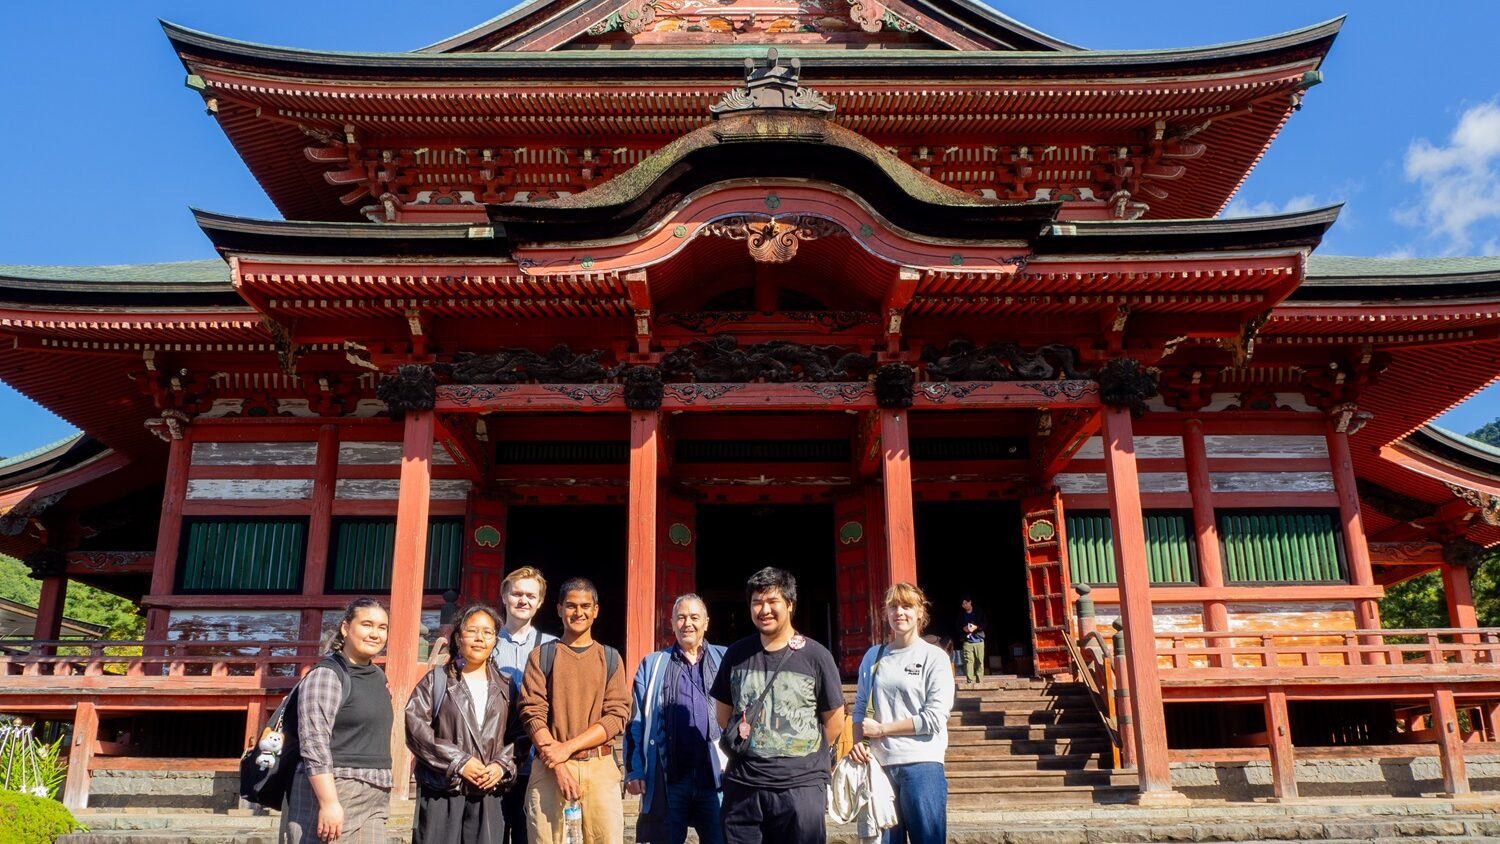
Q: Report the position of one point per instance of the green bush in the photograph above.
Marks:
(25, 819)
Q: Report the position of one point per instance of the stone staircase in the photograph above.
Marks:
(1423, 821)
(1021, 742)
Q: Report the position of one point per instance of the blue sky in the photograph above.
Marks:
(107, 150)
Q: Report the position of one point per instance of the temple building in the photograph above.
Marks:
(662, 291)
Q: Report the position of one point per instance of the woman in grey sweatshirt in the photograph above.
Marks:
(901, 718)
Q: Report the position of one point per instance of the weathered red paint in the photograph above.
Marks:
(640, 602)
(407, 577)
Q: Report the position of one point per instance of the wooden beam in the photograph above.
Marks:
(169, 528)
(49, 610)
(320, 519)
(797, 396)
(408, 570)
(1205, 525)
(456, 433)
(868, 459)
(640, 606)
(900, 530)
(81, 755)
(1357, 549)
(1423, 554)
(1074, 429)
(1450, 743)
(1279, 738)
(1134, 577)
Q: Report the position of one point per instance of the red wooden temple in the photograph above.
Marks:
(662, 291)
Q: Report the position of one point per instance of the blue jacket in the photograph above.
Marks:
(646, 732)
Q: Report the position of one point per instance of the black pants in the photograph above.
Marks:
(456, 819)
(778, 815)
(513, 809)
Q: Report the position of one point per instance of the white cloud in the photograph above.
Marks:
(1460, 182)
(1240, 208)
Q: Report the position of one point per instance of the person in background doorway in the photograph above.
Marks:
(521, 594)
(672, 756)
(573, 703)
(782, 692)
(343, 786)
(971, 624)
(901, 710)
(464, 758)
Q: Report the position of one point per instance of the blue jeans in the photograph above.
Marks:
(692, 805)
(921, 803)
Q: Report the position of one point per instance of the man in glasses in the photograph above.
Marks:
(671, 743)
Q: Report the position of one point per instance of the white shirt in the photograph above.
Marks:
(479, 692)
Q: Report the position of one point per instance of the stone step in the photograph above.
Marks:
(992, 797)
(978, 780)
(1072, 821)
(1024, 762)
(1027, 747)
(1017, 699)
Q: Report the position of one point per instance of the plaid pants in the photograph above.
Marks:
(365, 808)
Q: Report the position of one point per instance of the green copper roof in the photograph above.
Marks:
(213, 271)
(1466, 442)
(1344, 266)
(59, 446)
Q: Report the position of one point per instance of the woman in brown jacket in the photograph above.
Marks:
(463, 750)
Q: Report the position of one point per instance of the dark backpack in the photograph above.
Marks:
(268, 787)
(547, 656)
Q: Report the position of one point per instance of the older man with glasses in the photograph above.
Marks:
(672, 757)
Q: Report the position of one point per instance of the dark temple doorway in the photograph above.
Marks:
(735, 541)
(974, 548)
(566, 541)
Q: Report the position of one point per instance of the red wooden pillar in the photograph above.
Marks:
(1279, 737)
(1357, 549)
(169, 531)
(255, 713)
(640, 572)
(900, 534)
(1134, 576)
(1460, 598)
(49, 608)
(1450, 743)
(408, 575)
(319, 530)
(81, 755)
(1205, 526)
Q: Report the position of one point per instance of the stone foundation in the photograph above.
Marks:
(1373, 777)
(206, 791)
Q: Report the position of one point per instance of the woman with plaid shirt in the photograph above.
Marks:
(344, 717)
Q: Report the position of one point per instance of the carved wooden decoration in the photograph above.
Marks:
(721, 360)
(773, 240)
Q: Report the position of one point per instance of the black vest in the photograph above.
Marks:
(362, 728)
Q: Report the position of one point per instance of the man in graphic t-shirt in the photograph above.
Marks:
(778, 790)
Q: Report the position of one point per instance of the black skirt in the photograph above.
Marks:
(444, 818)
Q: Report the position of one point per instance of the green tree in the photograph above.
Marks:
(1489, 434)
(84, 603)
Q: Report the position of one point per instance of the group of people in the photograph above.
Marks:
(514, 737)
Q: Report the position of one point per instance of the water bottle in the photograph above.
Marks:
(572, 822)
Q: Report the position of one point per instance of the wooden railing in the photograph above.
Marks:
(1094, 667)
(1450, 654)
(268, 665)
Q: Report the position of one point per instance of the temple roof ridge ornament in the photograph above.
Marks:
(772, 85)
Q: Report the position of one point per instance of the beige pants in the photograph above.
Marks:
(603, 810)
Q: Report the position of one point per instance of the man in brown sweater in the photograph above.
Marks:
(574, 701)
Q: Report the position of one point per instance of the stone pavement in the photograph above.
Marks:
(1434, 821)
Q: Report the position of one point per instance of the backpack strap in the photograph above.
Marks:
(546, 657)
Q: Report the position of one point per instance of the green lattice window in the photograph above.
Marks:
(364, 548)
(1282, 546)
(242, 555)
(1171, 552)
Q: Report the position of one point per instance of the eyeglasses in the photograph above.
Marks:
(478, 635)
